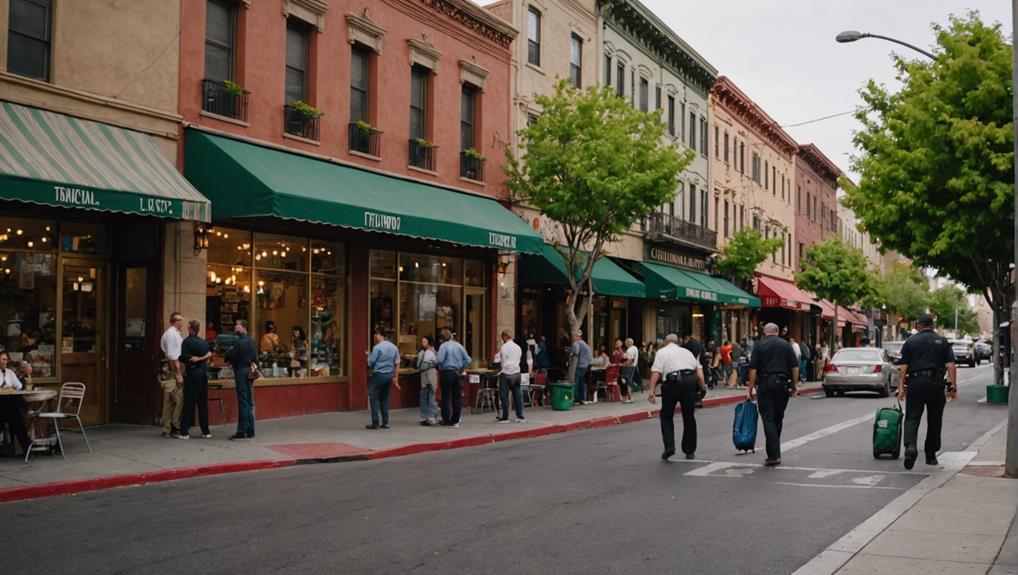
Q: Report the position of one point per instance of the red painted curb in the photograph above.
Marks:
(110, 482)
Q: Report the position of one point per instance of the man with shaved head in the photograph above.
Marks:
(775, 369)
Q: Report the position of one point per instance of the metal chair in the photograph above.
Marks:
(218, 397)
(610, 383)
(72, 396)
(538, 383)
(487, 396)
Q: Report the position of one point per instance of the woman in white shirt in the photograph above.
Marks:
(429, 381)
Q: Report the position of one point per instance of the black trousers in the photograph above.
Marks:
(772, 398)
(10, 412)
(452, 396)
(196, 395)
(924, 392)
(683, 393)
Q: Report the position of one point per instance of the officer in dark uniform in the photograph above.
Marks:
(925, 358)
(775, 369)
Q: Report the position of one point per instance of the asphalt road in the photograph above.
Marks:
(598, 501)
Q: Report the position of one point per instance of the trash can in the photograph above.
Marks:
(561, 396)
(996, 393)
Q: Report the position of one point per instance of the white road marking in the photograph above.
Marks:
(824, 473)
(869, 480)
(838, 486)
(710, 468)
(715, 466)
(799, 442)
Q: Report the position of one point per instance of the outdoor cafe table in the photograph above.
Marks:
(40, 396)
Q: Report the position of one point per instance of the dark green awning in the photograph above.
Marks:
(550, 268)
(666, 282)
(57, 160)
(246, 180)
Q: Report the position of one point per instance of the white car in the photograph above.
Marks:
(860, 369)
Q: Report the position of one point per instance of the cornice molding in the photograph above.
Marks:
(471, 73)
(311, 11)
(820, 163)
(476, 18)
(737, 103)
(424, 53)
(362, 29)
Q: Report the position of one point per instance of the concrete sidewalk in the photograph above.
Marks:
(132, 455)
(962, 519)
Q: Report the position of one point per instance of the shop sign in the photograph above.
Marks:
(383, 222)
(75, 197)
(504, 241)
(678, 259)
(156, 206)
(701, 294)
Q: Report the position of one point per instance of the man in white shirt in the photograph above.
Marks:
(682, 377)
(509, 356)
(10, 407)
(173, 390)
(629, 364)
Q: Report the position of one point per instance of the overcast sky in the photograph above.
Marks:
(783, 55)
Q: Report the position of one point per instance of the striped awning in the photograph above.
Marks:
(56, 160)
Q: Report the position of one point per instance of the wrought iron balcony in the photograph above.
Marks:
(224, 99)
(678, 229)
(422, 154)
(297, 124)
(471, 166)
(364, 139)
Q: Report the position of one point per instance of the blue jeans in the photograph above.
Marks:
(378, 396)
(802, 370)
(429, 409)
(511, 383)
(245, 402)
(580, 384)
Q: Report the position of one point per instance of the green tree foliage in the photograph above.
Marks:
(943, 303)
(906, 291)
(746, 250)
(595, 165)
(837, 272)
(937, 166)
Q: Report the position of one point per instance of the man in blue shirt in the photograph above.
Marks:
(384, 363)
(581, 350)
(452, 360)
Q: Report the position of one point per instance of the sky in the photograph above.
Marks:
(782, 53)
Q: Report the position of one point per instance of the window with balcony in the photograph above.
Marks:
(726, 218)
(363, 136)
(300, 118)
(29, 34)
(422, 151)
(534, 37)
(221, 94)
(644, 94)
(692, 202)
(471, 160)
(575, 61)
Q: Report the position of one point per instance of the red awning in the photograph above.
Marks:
(826, 309)
(845, 314)
(780, 293)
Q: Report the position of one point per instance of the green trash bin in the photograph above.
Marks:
(996, 394)
(561, 396)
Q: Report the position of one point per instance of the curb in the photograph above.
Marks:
(109, 482)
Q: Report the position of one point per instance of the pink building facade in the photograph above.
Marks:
(816, 199)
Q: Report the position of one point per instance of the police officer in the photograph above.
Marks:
(683, 376)
(775, 369)
(925, 358)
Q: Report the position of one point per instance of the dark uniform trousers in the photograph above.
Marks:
(452, 395)
(924, 392)
(772, 397)
(679, 390)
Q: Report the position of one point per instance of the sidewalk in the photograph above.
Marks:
(133, 455)
(959, 520)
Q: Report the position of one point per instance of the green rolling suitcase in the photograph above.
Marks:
(887, 431)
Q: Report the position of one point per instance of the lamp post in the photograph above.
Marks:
(853, 35)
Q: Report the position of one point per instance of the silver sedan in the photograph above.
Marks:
(860, 369)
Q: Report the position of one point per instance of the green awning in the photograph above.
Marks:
(673, 283)
(550, 268)
(56, 160)
(246, 180)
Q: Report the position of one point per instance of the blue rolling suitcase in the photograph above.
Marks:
(744, 430)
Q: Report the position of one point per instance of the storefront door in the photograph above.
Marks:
(135, 332)
(475, 327)
(83, 335)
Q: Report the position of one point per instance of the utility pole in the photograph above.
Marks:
(1011, 458)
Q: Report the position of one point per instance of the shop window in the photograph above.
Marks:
(426, 309)
(28, 309)
(80, 309)
(280, 252)
(473, 273)
(430, 269)
(23, 234)
(83, 238)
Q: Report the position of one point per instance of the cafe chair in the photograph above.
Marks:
(218, 389)
(610, 383)
(538, 383)
(72, 396)
(487, 396)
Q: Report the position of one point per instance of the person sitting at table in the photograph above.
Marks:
(270, 341)
(11, 406)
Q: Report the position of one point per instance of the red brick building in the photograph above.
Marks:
(816, 197)
(352, 151)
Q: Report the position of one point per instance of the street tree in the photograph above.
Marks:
(745, 251)
(906, 291)
(937, 164)
(837, 272)
(949, 303)
(595, 165)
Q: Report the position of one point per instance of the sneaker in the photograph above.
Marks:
(911, 454)
(500, 420)
(180, 436)
(520, 420)
(690, 456)
(424, 422)
(445, 424)
(237, 436)
(627, 401)
(385, 426)
(164, 434)
(371, 426)
(457, 424)
(431, 421)
(206, 436)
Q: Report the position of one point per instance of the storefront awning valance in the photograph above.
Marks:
(782, 294)
(826, 309)
(246, 180)
(847, 315)
(550, 268)
(666, 282)
(56, 160)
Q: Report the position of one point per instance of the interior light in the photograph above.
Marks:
(417, 265)
(3, 258)
(19, 232)
(81, 279)
(275, 252)
(261, 283)
(247, 289)
(265, 254)
(31, 244)
(226, 236)
(44, 239)
(47, 228)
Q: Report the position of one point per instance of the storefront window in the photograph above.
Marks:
(426, 310)
(473, 273)
(290, 290)
(24, 234)
(80, 309)
(430, 269)
(28, 304)
(83, 238)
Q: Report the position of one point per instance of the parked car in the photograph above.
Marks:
(964, 352)
(984, 350)
(860, 368)
(893, 349)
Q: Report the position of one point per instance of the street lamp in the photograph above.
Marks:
(853, 35)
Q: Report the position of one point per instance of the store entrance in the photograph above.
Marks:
(83, 339)
(135, 334)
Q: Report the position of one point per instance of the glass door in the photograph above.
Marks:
(82, 340)
(135, 393)
(474, 338)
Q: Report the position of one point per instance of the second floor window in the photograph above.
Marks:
(575, 60)
(418, 102)
(671, 115)
(219, 40)
(468, 117)
(620, 79)
(644, 94)
(534, 37)
(692, 130)
(360, 60)
(29, 37)
(607, 70)
(657, 97)
(296, 62)
(726, 147)
(703, 136)
(692, 203)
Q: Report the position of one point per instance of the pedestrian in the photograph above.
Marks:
(531, 353)
(805, 362)
(581, 352)
(12, 406)
(194, 356)
(630, 361)
(426, 362)
(820, 360)
(690, 342)
(601, 358)
(925, 358)
(453, 361)
(509, 355)
(173, 390)
(243, 358)
(775, 370)
(384, 364)
(542, 353)
(681, 377)
(618, 355)
(725, 353)
(738, 360)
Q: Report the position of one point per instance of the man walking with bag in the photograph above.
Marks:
(242, 356)
(775, 369)
(173, 394)
(682, 377)
(925, 358)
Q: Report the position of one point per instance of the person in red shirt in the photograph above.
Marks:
(726, 362)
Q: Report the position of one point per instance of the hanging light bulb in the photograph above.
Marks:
(31, 244)
(19, 232)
